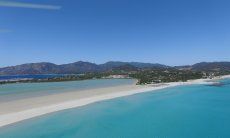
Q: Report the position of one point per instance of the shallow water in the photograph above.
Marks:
(10, 92)
(196, 111)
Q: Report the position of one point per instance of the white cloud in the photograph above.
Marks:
(28, 5)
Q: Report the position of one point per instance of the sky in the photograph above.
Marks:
(172, 32)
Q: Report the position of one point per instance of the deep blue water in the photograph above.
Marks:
(196, 111)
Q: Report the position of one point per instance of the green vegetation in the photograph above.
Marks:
(144, 76)
(169, 75)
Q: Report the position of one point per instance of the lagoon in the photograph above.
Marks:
(17, 91)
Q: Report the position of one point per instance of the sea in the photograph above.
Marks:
(193, 111)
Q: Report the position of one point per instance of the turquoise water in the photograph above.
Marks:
(24, 90)
(187, 111)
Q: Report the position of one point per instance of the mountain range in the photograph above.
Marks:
(86, 67)
(207, 66)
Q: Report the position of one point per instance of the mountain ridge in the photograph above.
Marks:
(71, 68)
(88, 67)
(207, 66)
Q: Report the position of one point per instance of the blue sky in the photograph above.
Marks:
(172, 32)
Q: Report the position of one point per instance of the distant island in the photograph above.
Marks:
(145, 73)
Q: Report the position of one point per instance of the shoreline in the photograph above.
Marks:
(102, 94)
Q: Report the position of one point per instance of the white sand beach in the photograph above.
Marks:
(18, 110)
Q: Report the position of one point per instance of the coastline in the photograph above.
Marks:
(28, 108)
